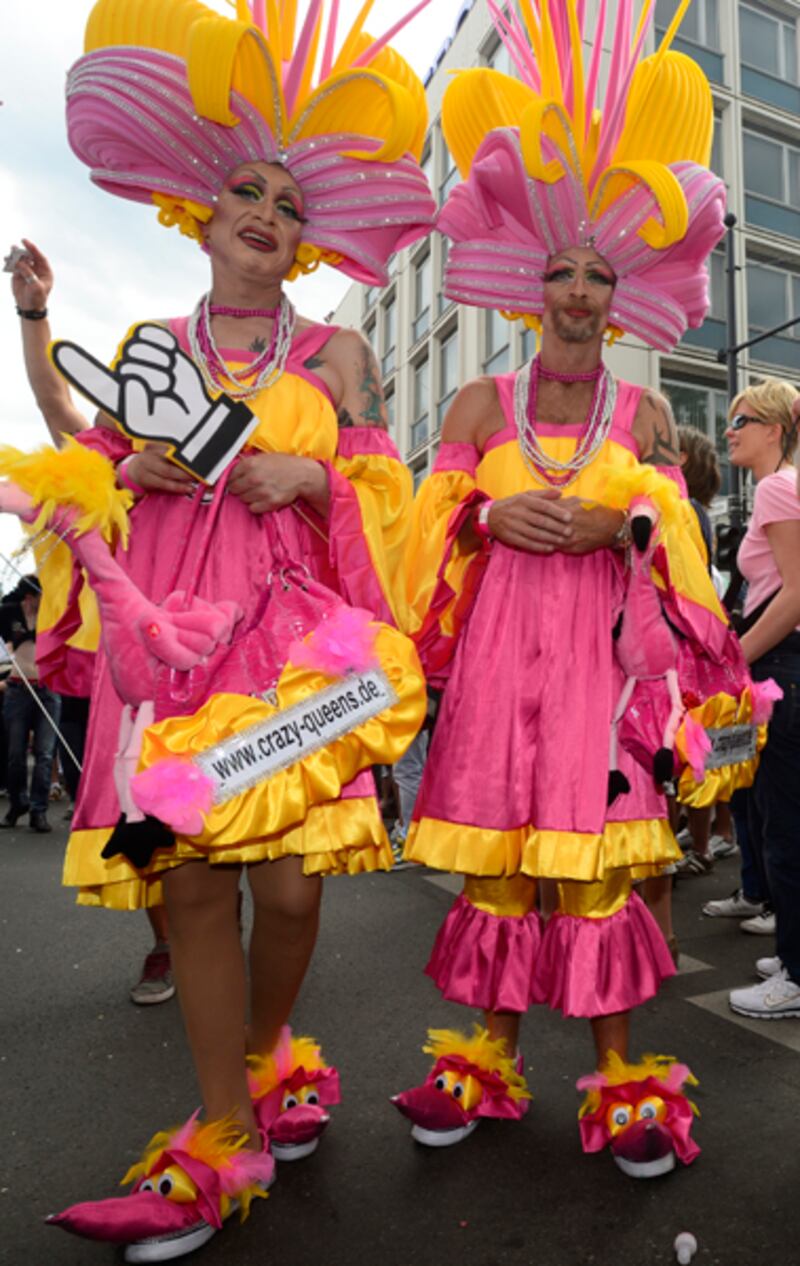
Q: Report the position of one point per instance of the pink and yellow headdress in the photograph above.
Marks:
(545, 167)
(170, 97)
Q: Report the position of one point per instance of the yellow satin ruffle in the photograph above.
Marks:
(383, 487)
(346, 837)
(719, 784)
(598, 900)
(271, 807)
(424, 563)
(641, 847)
(514, 896)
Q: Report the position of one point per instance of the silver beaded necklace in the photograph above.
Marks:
(233, 386)
(549, 470)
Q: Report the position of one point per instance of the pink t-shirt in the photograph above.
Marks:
(776, 501)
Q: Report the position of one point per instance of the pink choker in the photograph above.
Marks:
(220, 309)
(554, 376)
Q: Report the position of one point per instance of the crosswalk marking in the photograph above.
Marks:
(783, 1032)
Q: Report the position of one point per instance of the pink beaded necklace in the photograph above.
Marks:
(548, 470)
(220, 309)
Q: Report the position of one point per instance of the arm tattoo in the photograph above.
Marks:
(258, 345)
(666, 448)
(370, 388)
(344, 418)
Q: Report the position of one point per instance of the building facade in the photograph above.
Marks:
(427, 346)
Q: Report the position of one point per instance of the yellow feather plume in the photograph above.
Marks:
(268, 1071)
(211, 1142)
(487, 1053)
(619, 1073)
(619, 487)
(73, 476)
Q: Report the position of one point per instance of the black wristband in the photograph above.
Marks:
(32, 314)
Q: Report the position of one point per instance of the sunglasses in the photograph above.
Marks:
(740, 420)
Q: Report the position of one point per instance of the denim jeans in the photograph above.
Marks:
(407, 774)
(774, 804)
(21, 718)
(753, 880)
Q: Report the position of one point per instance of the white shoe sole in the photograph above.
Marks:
(753, 1014)
(152, 999)
(647, 1169)
(167, 1249)
(293, 1151)
(442, 1138)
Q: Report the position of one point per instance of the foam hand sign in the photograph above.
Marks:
(155, 392)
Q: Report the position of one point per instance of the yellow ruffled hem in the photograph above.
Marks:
(642, 847)
(345, 837)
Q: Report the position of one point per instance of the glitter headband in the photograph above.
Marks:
(170, 97)
(545, 169)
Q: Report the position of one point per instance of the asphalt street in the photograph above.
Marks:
(87, 1078)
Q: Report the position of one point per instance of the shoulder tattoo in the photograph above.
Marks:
(370, 390)
(664, 435)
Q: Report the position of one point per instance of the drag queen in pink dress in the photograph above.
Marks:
(530, 604)
(288, 554)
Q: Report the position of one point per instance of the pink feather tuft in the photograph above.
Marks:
(176, 792)
(698, 745)
(244, 1169)
(341, 643)
(765, 695)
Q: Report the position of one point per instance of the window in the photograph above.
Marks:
(442, 302)
(448, 375)
(371, 334)
(496, 344)
(768, 43)
(418, 472)
(717, 287)
(450, 176)
(419, 426)
(703, 405)
(426, 163)
(716, 148)
(421, 320)
(497, 57)
(389, 336)
(370, 295)
(391, 412)
(773, 296)
(700, 23)
(528, 344)
(698, 35)
(772, 183)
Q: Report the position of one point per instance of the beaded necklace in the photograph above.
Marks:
(265, 370)
(546, 469)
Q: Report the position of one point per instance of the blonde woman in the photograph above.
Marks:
(762, 437)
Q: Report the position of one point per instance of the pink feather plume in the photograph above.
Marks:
(176, 792)
(341, 643)
(765, 695)
(698, 745)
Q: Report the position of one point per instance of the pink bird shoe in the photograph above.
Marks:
(187, 1183)
(641, 1112)
(291, 1089)
(471, 1078)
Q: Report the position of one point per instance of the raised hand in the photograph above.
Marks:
(156, 392)
(31, 276)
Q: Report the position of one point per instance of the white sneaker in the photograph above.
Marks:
(761, 925)
(767, 967)
(773, 999)
(737, 906)
(718, 846)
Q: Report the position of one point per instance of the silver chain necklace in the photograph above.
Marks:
(232, 385)
(549, 470)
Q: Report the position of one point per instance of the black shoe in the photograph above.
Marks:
(39, 823)
(12, 817)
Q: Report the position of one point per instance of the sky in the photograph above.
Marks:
(113, 263)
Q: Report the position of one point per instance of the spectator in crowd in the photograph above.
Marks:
(762, 438)
(29, 709)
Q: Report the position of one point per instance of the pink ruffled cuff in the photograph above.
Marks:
(591, 967)
(485, 960)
